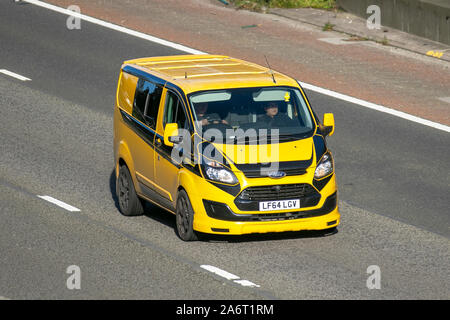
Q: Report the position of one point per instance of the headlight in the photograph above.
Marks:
(216, 172)
(325, 166)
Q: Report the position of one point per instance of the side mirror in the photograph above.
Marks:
(171, 134)
(328, 123)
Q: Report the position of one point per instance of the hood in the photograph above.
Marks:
(299, 150)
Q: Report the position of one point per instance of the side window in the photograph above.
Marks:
(174, 112)
(146, 102)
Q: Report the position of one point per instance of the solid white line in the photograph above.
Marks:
(166, 43)
(59, 203)
(374, 106)
(14, 75)
(115, 27)
(219, 272)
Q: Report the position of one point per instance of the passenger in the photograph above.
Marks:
(273, 117)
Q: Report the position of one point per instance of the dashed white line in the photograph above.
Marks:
(14, 75)
(229, 276)
(219, 272)
(59, 203)
(246, 283)
(180, 47)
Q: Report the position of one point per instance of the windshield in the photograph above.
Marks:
(252, 112)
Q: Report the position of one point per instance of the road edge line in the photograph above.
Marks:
(375, 106)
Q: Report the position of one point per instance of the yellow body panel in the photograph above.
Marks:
(152, 171)
(206, 72)
(265, 153)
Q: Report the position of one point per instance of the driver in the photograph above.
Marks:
(204, 118)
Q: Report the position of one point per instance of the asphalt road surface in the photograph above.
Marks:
(56, 140)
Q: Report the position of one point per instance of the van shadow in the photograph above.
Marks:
(273, 236)
(168, 219)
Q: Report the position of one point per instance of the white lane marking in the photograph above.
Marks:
(219, 272)
(193, 51)
(374, 106)
(14, 75)
(246, 283)
(445, 99)
(115, 27)
(229, 276)
(59, 203)
(3, 298)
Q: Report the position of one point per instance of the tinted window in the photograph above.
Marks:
(174, 112)
(253, 111)
(146, 102)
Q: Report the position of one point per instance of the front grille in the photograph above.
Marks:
(265, 173)
(277, 192)
(290, 168)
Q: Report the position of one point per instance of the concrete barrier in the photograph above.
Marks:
(426, 18)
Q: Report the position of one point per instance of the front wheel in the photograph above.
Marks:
(185, 218)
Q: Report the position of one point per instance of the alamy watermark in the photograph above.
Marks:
(374, 20)
(374, 279)
(232, 140)
(74, 280)
(73, 22)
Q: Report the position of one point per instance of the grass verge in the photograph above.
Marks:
(259, 5)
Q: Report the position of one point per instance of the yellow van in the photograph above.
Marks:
(228, 146)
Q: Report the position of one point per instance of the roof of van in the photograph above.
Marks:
(207, 72)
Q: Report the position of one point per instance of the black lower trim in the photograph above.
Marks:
(319, 184)
(233, 190)
(330, 223)
(221, 211)
(156, 197)
(220, 230)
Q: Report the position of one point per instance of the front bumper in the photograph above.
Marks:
(218, 212)
(322, 222)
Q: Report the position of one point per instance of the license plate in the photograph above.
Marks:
(279, 205)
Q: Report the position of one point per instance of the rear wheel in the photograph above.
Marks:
(129, 202)
(185, 218)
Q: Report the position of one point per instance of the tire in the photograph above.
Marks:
(129, 202)
(185, 218)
